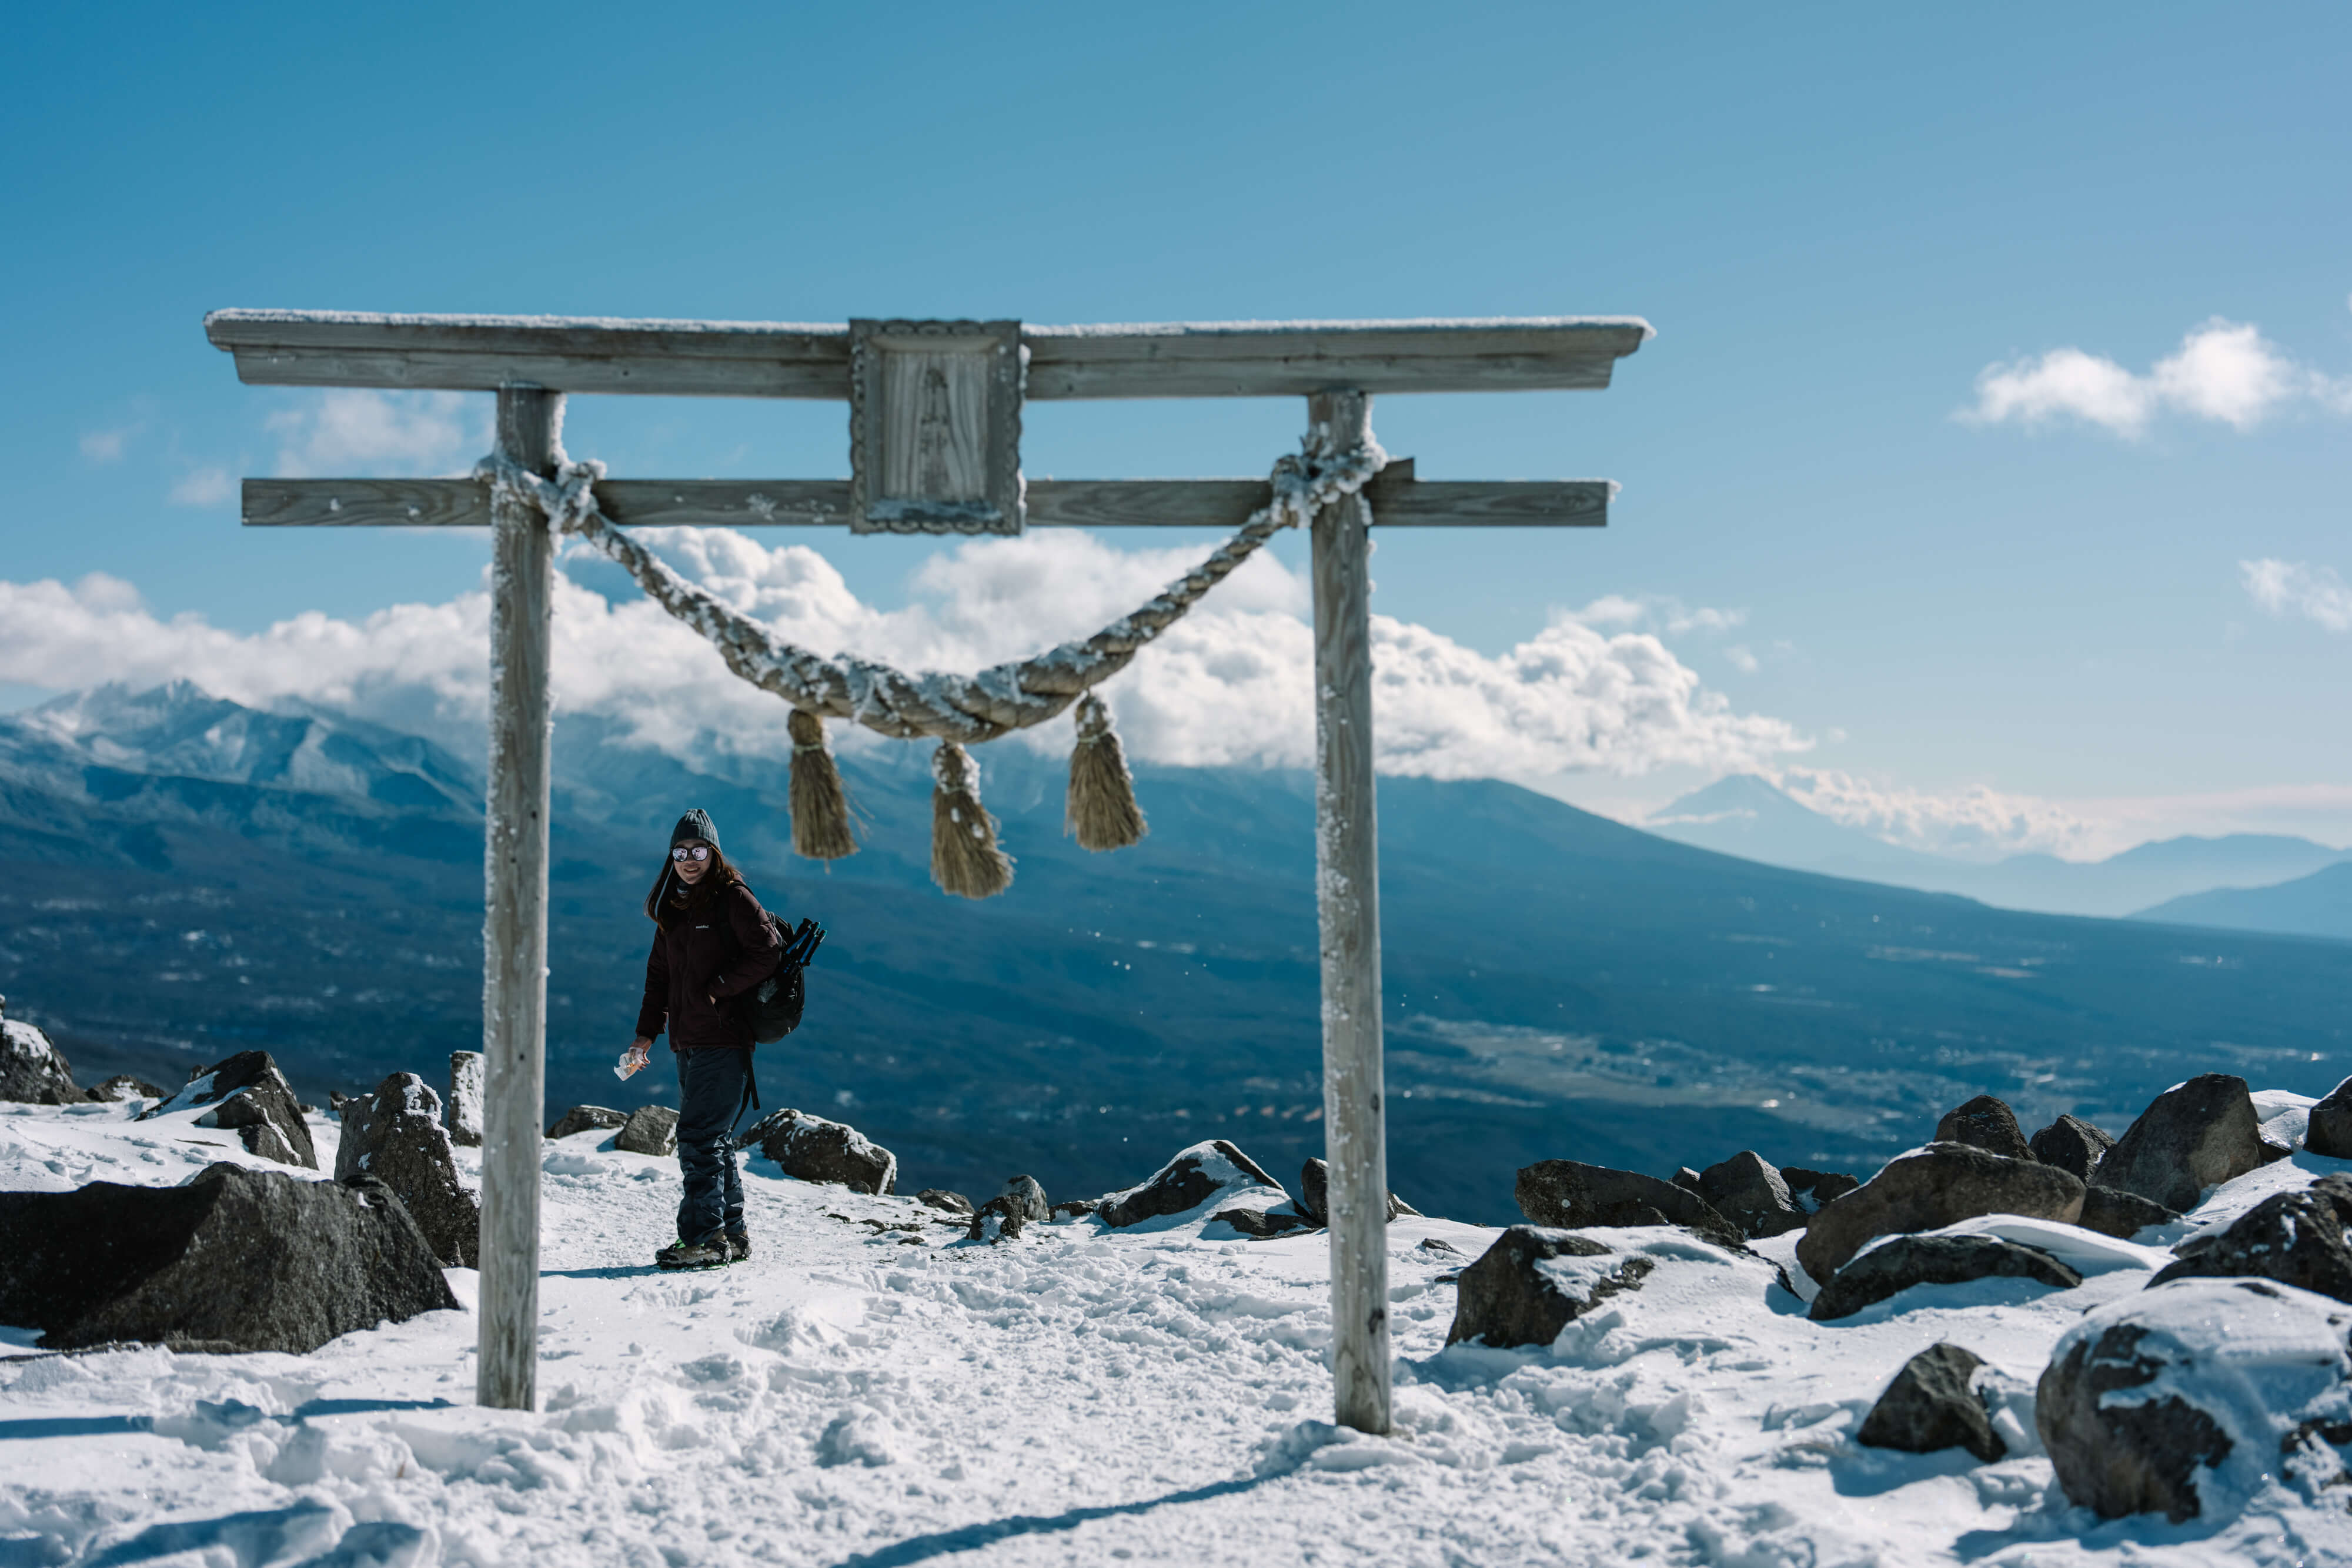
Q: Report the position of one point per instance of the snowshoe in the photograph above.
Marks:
(710, 1252)
(738, 1246)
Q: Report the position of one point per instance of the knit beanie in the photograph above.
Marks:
(695, 824)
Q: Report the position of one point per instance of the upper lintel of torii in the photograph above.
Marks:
(935, 408)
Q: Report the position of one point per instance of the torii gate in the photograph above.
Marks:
(935, 448)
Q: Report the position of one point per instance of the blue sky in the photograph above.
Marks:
(1838, 218)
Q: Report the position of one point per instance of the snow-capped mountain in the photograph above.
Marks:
(1555, 983)
(1749, 816)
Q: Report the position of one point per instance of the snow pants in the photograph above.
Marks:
(710, 1093)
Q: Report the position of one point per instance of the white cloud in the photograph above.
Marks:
(383, 432)
(2287, 588)
(105, 445)
(2223, 371)
(1973, 824)
(1742, 659)
(1661, 610)
(1230, 683)
(207, 487)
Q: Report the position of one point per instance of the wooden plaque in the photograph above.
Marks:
(934, 427)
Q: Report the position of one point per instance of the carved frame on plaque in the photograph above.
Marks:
(934, 427)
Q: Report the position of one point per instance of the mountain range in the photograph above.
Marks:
(181, 877)
(1748, 816)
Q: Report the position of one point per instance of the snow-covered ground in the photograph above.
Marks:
(865, 1396)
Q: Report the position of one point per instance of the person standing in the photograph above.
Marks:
(712, 942)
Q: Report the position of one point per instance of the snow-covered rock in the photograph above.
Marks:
(2072, 1146)
(810, 1148)
(237, 1260)
(1569, 1194)
(1988, 1123)
(1313, 1201)
(2183, 1400)
(396, 1137)
(1897, 1264)
(650, 1130)
(1206, 1173)
(123, 1086)
(1929, 1188)
(1932, 1405)
(464, 1108)
(32, 1071)
(586, 1118)
(1534, 1281)
(2112, 1211)
(248, 1095)
(2192, 1137)
(2295, 1237)
(1749, 1191)
(2327, 1130)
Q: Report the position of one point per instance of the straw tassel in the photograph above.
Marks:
(1102, 813)
(820, 809)
(965, 860)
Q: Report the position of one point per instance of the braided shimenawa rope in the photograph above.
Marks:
(963, 708)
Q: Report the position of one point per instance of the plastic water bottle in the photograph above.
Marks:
(630, 1061)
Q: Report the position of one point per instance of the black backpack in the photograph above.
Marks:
(776, 1002)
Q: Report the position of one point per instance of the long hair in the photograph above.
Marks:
(671, 897)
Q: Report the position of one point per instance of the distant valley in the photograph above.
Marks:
(181, 878)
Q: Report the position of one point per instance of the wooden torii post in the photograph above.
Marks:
(935, 431)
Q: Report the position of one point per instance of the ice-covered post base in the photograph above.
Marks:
(514, 926)
(1348, 911)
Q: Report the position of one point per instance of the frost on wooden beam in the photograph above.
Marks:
(1398, 500)
(762, 358)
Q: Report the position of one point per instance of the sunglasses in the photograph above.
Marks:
(685, 853)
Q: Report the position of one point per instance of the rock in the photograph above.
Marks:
(1078, 1208)
(1534, 1281)
(1893, 1267)
(2112, 1211)
(1215, 1169)
(810, 1148)
(2072, 1144)
(32, 1071)
(650, 1130)
(1986, 1124)
(2295, 1237)
(2179, 1398)
(1568, 1193)
(1685, 1178)
(249, 1096)
(1315, 1200)
(1928, 1189)
(1746, 1190)
(1263, 1224)
(236, 1260)
(395, 1136)
(945, 1201)
(2192, 1136)
(1815, 1190)
(1438, 1244)
(465, 1106)
(1003, 1216)
(2330, 1132)
(1933, 1405)
(122, 1086)
(582, 1118)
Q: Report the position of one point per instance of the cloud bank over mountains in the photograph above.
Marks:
(1228, 685)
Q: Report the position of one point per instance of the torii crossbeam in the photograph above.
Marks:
(935, 431)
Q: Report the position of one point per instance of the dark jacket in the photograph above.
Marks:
(718, 945)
